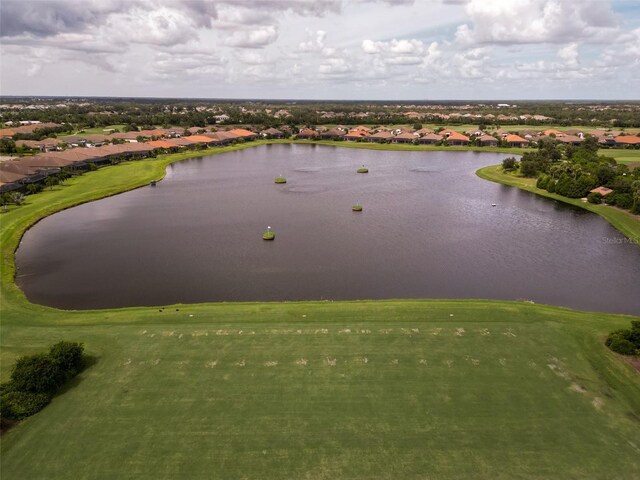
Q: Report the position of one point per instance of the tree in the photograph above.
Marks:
(33, 188)
(51, 181)
(17, 198)
(509, 164)
(7, 145)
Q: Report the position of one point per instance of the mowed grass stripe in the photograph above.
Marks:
(483, 394)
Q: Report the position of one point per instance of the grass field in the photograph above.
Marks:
(385, 389)
(622, 155)
(398, 389)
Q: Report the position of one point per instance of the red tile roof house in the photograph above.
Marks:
(627, 140)
(201, 140)
(163, 145)
(380, 137)
(222, 137)
(244, 134)
(405, 137)
(331, 134)
(570, 139)
(516, 141)
(271, 133)
(356, 136)
(601, 190)
(455, 138)
(430, 139)
(307, 134)
(422, 131)
(487, 141)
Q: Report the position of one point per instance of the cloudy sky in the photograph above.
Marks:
(322, 49)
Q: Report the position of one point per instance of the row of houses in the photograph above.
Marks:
(17, 173)
(83, 150)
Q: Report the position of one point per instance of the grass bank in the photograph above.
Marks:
(624, 221)
(385, 389)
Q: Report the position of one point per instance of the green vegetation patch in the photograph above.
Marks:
(397, 389)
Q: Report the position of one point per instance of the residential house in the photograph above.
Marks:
(307, 134)
(430, 139)
(487, 141)
(516, 141)
(405, 137)
(271, 133)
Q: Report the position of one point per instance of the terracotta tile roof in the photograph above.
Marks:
(486, 138)
(552, 131)
(602, 191)
(628, 139)
(241, 132)
(457, 137)
(161, 144)
(179, 142)
(406, 136)
(433, 136)
(200, 139)
(511, 138)
(381, 135)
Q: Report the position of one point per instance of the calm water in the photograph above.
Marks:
(428, 230)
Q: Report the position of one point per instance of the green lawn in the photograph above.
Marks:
(622, 155)
(380, 389)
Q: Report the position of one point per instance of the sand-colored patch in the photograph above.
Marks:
(330, 362)
(241, 363)
(222, 332)
(211, 363)
(181, 335)
(155, 362)
(144, 332)
(394, 361)
(574, 387)
(502, 361)
(361, 360)
(167, 333)
(271, 363)
(422, 361)
(345, 330)
(448, 363)
(484, 332)
(532, 364)
(509, 333)
(127, 362)
(385, 331)
(460, 332)
(558, 371)
(597, 403)
(436, 331)
(182, 363)
(302, 362)
(321, 331)
(200, 333)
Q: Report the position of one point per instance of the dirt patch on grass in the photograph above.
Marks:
(634, 361)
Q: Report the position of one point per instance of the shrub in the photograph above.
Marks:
(543, 181)
(623, 200)
(594, 197)
(68, 356)
(18, 405)
(37, 374)
(622, 346)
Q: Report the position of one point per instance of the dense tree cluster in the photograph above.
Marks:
(625, 341)
(35, 379)
(574, 171)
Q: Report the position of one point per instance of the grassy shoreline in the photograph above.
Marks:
(624, 221)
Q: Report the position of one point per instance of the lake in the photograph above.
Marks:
(428, 230)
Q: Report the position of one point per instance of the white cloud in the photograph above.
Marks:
(569, 54)
(252, 38)
(537, 21)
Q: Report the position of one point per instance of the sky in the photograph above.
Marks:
(322, 49)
